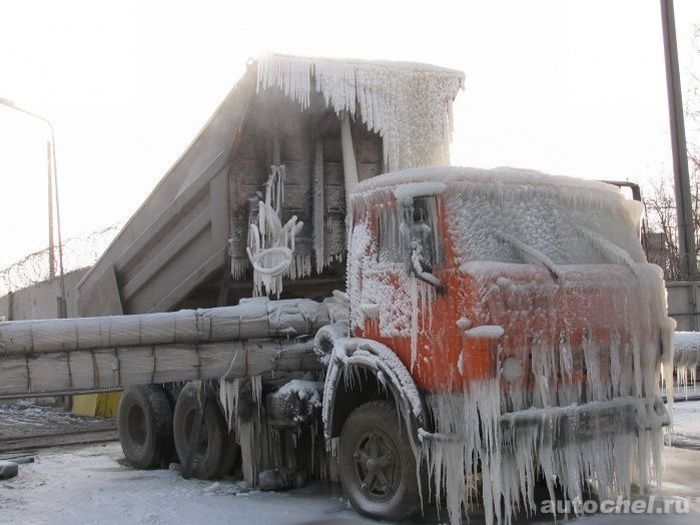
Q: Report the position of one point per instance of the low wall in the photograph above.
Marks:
(41, 300)
(683, 304)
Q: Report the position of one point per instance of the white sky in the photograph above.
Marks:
(571, 87)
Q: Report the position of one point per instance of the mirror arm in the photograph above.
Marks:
(424, 276)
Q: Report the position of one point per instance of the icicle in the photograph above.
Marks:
(228, 396)
(318, 209)
(408, 105)
(271, 246)
(256, 385)
(686, 359)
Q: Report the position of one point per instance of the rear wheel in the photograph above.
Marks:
(145, 426)
(211, 455)
(377, 464)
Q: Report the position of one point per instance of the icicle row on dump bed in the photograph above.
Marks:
(409, 105)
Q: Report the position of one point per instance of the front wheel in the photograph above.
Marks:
(377, 464)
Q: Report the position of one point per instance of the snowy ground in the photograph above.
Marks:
(686, 425)
(90, 484)
(23, 417)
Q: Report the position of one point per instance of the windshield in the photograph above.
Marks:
(562, 226)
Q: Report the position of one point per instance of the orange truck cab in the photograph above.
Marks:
(512, 318)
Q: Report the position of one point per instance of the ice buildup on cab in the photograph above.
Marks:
(523, 306)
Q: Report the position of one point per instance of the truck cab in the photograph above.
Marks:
(522, 324)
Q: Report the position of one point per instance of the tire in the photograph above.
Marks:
(145, 426)
(211, 456)
(230, 457)
(386, 488)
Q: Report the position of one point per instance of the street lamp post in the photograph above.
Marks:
(52, 196)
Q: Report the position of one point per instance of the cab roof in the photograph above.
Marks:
(503, 176)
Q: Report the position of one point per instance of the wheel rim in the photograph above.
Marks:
(201, 447)
(376, 465)
(136, 422)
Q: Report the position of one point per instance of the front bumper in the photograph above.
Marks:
(559, 426)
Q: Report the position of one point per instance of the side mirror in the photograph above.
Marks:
(417, 266)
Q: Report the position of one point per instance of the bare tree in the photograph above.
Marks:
(661, 235)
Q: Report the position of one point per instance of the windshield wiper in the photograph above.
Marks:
(611, 252)
(529, 254)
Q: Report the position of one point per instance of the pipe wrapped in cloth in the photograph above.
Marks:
(102, 353)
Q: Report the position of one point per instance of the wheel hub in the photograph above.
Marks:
(376, 465)
(136, 419)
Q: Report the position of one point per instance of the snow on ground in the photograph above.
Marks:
(686, 425)
(90, 484)
(23, 417)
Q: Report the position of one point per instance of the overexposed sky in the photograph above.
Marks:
(572, 87)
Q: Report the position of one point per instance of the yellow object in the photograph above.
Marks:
(97, 405)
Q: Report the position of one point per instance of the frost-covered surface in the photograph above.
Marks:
(562, 218)
(409, 105)
(230, 396)
(350, 355)
(91, 485)
(686, 358)
(58, 355)
(497, 179)
(252, 319)
(486, 331)
(686, 424)
(271, 246)
(302, 397)
(26, 417)
(303, 389)
(411, 190)
(398, 296)
(540, 259)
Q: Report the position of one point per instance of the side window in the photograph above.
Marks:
(425, 231)
(390, 245)
(414, 225)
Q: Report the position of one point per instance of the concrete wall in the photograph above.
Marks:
(683, 304)
(40, 301)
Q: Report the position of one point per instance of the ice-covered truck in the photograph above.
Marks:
(434, 335)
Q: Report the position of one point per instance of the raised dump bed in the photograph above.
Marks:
(309, 126)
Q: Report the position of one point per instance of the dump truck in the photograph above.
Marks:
(309, 292)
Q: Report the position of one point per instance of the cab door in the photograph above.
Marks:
(409, 298)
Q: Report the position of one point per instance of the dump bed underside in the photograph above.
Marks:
(186, 245)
